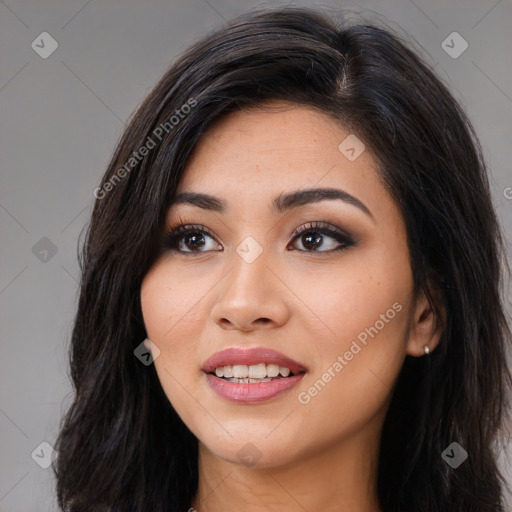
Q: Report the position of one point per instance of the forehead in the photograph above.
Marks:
(250, 157)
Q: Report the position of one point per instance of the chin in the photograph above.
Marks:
(254, 449)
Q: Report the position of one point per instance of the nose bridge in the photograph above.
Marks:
(250, 290)
(250, 261)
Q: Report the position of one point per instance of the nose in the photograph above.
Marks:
(251, 296)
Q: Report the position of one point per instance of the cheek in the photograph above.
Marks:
(171, 304)
(361, 344)
(366, 292)
(173, 321)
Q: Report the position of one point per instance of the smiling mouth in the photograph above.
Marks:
(252, 374)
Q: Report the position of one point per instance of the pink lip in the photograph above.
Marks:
(248, 356)
(242, 393)
(251, 392)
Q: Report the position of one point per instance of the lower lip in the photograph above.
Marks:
(251, 392)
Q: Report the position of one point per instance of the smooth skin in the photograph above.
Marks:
(298, 297)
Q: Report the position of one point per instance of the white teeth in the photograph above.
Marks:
(284, 371)
(257, 371)
(249, 381)
(272, 370)
(240, 370)
(260, 371)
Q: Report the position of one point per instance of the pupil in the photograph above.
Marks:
(317, 239)
(192, 239)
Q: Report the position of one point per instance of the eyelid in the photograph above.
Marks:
(323, 225)
(183, 222)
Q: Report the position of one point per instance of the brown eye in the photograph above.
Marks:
(192, 237)
(314, 236)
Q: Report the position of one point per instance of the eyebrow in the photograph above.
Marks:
(280, 204)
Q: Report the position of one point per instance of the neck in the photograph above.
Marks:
(340, 478)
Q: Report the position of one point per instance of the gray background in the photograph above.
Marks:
(61, 119)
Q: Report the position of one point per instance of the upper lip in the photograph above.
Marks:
(249, 356)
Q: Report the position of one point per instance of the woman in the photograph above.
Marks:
(290, 288)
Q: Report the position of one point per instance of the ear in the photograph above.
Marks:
(427, 323)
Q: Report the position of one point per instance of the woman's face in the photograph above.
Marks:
(339, 303)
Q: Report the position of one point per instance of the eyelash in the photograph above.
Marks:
(177, 233)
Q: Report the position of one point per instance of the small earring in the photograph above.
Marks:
(427, 350)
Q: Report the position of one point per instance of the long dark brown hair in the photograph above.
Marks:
(121, 446)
